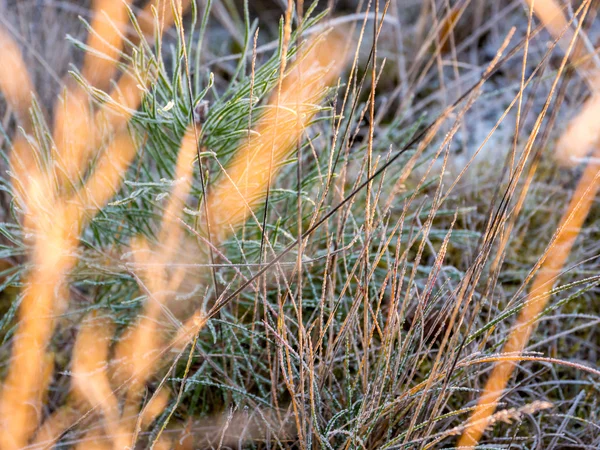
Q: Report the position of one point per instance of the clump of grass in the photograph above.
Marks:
(290, 264)
(140, 349)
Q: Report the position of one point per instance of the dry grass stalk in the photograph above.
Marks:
(504, 416)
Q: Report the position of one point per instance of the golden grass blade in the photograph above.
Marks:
(94, 440)
(582, 134)
(188, 330)
(15, 82)
(246, 178)
(54, 427)
(110, 18)
(56, 224)
(18, 90)
(74, 130)
(171, 228)
(552, 16)
(23, 166)
(77, 131)
(155, 407)
(554, 20)
(557, 255)
(30, 366)
(166, 15)
(73, 135)
(106, 178)
(140, 349)
(90, 373)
